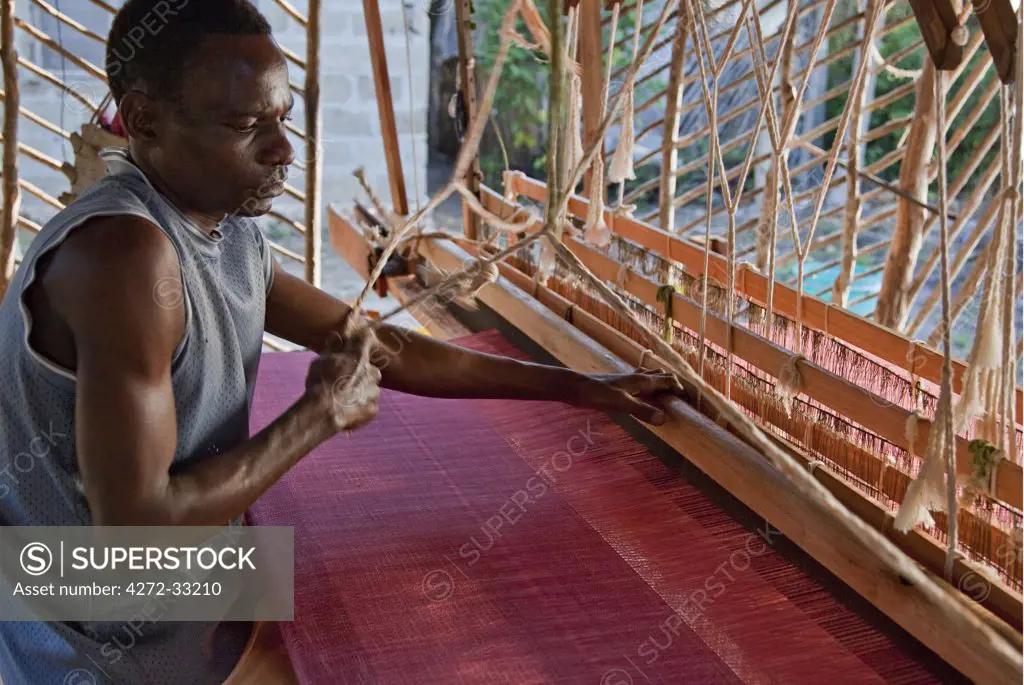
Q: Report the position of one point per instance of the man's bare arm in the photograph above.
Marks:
(421, 365)
(102, 283)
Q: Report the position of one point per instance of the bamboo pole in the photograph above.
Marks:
(47, 76)
(35, 190)
(385, 107)
(12, 100)
(49, 42)
(78, 26)
(104, 5)
(891, 310)
(294, 13)
(314, 151)
(291, 223)
(36, 119)
(286, 252)
(670, 137)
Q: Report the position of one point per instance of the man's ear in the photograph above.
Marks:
(139, 114)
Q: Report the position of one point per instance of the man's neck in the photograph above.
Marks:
(206, 222)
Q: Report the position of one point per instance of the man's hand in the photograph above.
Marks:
(639, 394)
(344, 382)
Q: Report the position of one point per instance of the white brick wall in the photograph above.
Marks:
(351, 127)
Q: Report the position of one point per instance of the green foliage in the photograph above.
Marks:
(520, 104)
(896, 42)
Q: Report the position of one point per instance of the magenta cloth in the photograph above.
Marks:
(457, 541)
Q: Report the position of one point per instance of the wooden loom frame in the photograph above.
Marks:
(583, 342)
(587, 344)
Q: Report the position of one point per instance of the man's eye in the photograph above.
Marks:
(245, 128)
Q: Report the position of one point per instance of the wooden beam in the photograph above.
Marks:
(1001, 25)
(467, 81)
(10, 199)
(670, 136)
(314, 148)
(858, 555)
(856, 331)
(385, 107)
(937, 19)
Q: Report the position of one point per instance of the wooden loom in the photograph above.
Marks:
(847, 430)
(852, 438)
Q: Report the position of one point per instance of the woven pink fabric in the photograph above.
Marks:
(457, 541)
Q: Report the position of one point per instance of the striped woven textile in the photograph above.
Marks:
(457, 541)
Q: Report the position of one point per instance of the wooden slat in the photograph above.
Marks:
(78, 26)
(860, 556)
(47, 76)
(292, 12)
(855, 330)
(286, 252)
(292, 223)
(385, 107)
(36, 119)
(60, 49)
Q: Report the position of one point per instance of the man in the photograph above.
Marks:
(131, 336)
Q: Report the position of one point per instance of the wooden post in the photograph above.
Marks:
(314, 153)
(11, 199)
(908, 236)
(670, 139)
(593, 77)
(854, 161)
(385, 108)
(467, 81)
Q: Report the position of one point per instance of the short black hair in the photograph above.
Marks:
(152, 42)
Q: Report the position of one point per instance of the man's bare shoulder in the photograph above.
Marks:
(117, 280)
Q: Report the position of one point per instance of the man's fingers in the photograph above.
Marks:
(646, 412)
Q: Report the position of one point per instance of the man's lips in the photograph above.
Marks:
(270, 189)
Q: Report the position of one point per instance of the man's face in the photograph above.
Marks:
(225, 149)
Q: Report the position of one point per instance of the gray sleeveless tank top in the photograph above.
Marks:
(225, 277)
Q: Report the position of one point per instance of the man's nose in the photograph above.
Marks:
(279, 150)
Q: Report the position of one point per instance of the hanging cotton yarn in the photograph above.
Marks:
(789, 384)
(596, 231)
(621, 168)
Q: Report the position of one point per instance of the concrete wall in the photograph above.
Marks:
(351, 129)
